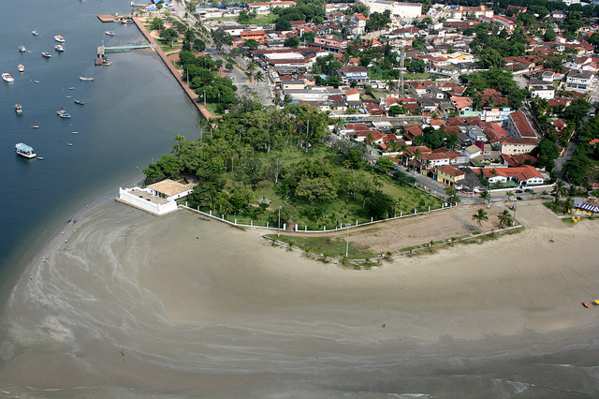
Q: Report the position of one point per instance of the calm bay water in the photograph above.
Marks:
(133, 111)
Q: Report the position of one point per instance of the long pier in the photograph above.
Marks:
(174, 71)
(124, 49)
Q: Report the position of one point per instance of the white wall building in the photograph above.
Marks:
(406, 11)
(158, 198)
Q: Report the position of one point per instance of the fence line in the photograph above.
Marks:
(296, 228)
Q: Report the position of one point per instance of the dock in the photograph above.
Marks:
(108, 18)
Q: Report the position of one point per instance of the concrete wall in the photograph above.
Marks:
(154, 208)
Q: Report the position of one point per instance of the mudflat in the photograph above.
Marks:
(125, 304)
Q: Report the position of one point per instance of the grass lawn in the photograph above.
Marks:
(267, 19)
(326, 246)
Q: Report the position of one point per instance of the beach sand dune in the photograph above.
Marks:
(129, 305)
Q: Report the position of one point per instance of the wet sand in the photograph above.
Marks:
(124, 304)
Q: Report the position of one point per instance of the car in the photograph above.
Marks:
(519, 198)
(519, 191)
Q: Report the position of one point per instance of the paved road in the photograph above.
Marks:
(425, 182)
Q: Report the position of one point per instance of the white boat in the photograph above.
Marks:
(109, 33)
(86, 78)
(25, 151)
(36, 125)
(35, 33)
(21, 68)
(7, 77)
(46, 54)
(63, 114)
(59, 48)
(22, 49)
(59, 38)
(19, 109)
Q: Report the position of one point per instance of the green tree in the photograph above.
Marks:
(379, 205)
(505, 219)
(452, 195)
(156, 24)
(292, 41)
(480, 216)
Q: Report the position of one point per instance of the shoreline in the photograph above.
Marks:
(191, 95)
(185, 298)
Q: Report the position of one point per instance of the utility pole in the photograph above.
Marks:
(402, 59)
(279, 217)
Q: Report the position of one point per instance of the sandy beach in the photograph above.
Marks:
(124, 304)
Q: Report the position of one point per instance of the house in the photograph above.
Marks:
(518, 125)
(352, 95)
(462, 104)
(581, 81)
(523, 176)
(158, 198)
(358, 24)
(357, 74)
(544, 91)
(449, 175)
(515, 145)
(402, 11)
(472, 151)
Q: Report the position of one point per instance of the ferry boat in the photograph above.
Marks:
(86, 78)
(21, 68)
(19, 109)
(35, 33)
(25, 151)
(7, 77)
(63, 114)
(22, 49)
(109, 33)
(59, 48)
(46, 55)
(59, 38)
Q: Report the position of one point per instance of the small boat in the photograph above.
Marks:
(36, 81)
(63, 114)
(7, 77)
(109, 33)
(36, 125)
(22, 49)
(70, 144)
(74, 132)
(107, 63)
(59, 38)
(86, 78)
(25, 151)
(79, 102)
(71, 88)
(40, 158)
(19, 109)
(46, 54)
(21, 68)
(35, 33)
(59, 48)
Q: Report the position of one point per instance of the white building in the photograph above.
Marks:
(407, 11)
(544, 91)
(158, 198)
(580, 81)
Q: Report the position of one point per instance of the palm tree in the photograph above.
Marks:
(452, 195)
(259, 76)
(505, 219)
(480, 216)
(486, 196)
(251, 68)
(558, 190)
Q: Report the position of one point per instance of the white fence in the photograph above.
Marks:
(297, 229)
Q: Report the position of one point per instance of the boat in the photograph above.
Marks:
(79, 102)
(7, 77)
(71, 88)
(25, 151)
(36, 125)
(63, 114)
(59, 48)
(36, 81)
(22, 49)
(46, 54)
(21, 68)
(40, 158)
(59, 38)
(109, 33)
(107, 63)
(35, 33)
(86, 78)
(19, 109)
(70, 144)
(75, 132)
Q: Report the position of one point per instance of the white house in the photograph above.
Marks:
(580, 81)
(158, 198)
(544, 91)
(398, 10)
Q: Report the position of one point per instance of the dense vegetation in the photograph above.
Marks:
(259, 163)
(497, 79)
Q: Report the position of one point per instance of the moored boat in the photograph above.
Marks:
(35, 33)
(86, 78)
(7, 77)
(36, 125)
(22, 49)
(19, 109)
(59, 38)
(21, 68)
(46, 54)
(59, 48)
(25, 151)
(79, 102)
(63, 114)
(109, 33)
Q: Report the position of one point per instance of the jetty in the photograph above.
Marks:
(108, 18)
